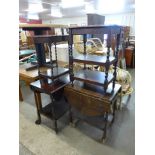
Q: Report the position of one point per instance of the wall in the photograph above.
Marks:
(68, 21)
(30, 21)
(125, 19)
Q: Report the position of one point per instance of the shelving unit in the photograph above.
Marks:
(94, 94)
(102, 79)
(52, 81)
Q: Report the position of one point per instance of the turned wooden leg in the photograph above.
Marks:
(114, 109)
(55, 125)
(20, 94)
(38, 121)
(70, 115)
(71, 122)
(105, 127)
(39, 100)
(54, 115)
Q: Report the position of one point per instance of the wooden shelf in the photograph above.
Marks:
(48, 86)
(93, 77)
(57, 72)
(93, 59)
(60, 108)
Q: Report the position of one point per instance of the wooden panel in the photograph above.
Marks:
(49, 38)
(114, 29)
(85, 103)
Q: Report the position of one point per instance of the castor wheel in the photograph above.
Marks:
(38, 122)
(72, 124)
(103, 140)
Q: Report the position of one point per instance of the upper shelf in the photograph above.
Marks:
(93, 59)
(57, 72)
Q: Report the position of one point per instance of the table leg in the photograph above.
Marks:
(20, 94)
(114, 109)
(38, 121)
(54, 115)
(105, 127)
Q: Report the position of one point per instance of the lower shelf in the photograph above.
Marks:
(60, 108)
(96, 121)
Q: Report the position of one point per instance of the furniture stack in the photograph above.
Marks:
(52, 80)
(93, 93)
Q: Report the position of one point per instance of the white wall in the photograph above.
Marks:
(68, 21)
(125, 19)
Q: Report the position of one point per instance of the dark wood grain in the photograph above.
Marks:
(90, 100)
(59, 109)
(57, 72)
(94, 77)
(48, 86)
(97, 29)
(94, 59)
(50, 38)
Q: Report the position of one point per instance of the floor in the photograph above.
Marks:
(82, 140)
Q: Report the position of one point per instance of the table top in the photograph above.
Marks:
(48, 86)
(40, 26)
(32, 74)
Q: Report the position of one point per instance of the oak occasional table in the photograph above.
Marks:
(58, 106)
(27, 76)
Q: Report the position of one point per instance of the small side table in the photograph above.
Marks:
(91, 105)
(58, 107)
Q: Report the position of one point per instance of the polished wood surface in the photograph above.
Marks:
(94, 77)
(95, 91)
(57, 72)
(57, 107)
(94, 59)
(28, 76)
(49, 87)
(97, 29)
